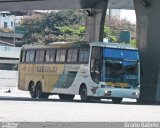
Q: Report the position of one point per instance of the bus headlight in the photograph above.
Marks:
(135, 93)
(107, 93)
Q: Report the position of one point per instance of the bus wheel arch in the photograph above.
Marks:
(83, 93)
(83, 85)
(32, 89)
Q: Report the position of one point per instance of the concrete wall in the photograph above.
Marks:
(10, 52)
(8, 78)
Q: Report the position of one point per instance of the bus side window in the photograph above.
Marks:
(50, 55)
(61, 55)
(96, 64)
(84, 55)
(30, 56)
(23, 56)
(72, 55)
(96, 53)
(39, 56)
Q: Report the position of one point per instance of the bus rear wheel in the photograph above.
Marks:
(32, 91)
(66, 97)
(83, 95)
(117, 100)
(39, 92)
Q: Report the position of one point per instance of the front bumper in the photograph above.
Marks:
(118, 92)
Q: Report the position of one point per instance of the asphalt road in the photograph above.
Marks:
(17, 106)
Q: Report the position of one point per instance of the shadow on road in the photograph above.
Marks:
(9, 98)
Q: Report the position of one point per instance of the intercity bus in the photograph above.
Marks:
(93, 70)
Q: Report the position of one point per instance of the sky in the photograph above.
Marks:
(128, 15)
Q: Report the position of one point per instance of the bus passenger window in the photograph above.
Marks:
(39, 56)
(50, 55)
(30, 56)
(84, 55)
(23, 56)
(72, 55)
(96, 64)
(61, 55)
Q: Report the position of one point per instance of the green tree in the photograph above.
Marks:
(117, 25)
(66, 25)
(55, 26)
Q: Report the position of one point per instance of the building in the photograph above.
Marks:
(7, 21)
(7, 28)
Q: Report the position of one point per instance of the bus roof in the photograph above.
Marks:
(113, 45)
(79, 44)
(56, 45)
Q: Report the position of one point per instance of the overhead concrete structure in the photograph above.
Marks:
(19, 5)
(95, 19)
(148, 37)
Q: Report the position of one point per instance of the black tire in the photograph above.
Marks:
(117, 100)
(39, 92)
(138, 101)
(66, 97)
(32, 91)
(83, 95)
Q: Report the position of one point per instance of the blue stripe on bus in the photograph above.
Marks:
(120, 53)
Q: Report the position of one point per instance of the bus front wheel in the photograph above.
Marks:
(117, 100)
(83, 94)
(66, 97)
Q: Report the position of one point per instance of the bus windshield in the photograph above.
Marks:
(130, 67)
(113, 70)
(120, 71)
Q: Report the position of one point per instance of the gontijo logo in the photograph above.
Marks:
(46, 69)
